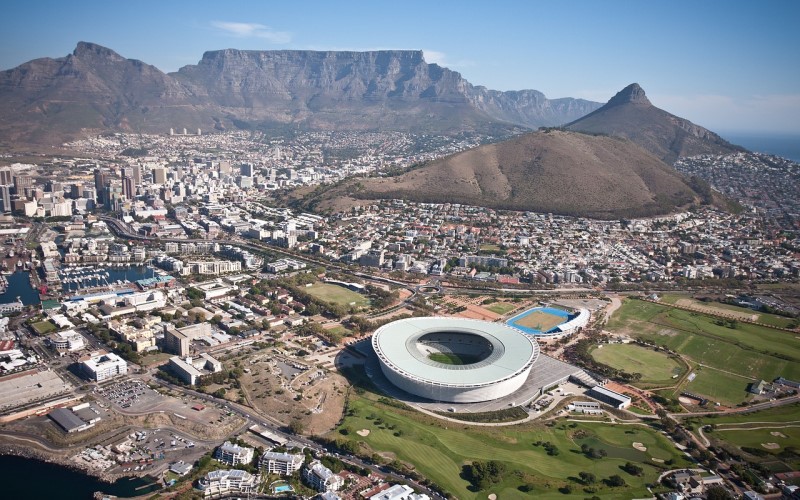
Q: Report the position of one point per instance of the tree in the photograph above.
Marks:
(717, 492)
(615, 481)
(297, 426)
(587, 477)
(633, 469)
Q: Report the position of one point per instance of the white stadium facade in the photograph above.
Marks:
(498, 357)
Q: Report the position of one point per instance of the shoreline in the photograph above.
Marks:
(65, 462)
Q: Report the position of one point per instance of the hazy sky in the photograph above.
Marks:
(728, 65)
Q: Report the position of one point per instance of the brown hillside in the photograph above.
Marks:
(549, 171)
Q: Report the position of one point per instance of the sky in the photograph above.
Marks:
(728, 65)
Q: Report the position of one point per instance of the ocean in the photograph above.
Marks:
(785, 145)
(28, 478)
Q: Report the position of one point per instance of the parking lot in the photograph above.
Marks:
(130, 394)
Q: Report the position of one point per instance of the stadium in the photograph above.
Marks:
(454, 359)
(550, 322)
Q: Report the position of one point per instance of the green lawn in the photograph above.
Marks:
(655, 367)
(768, 319)
(772, 441)
(337, 294)
(788, 413)
(44, 327)
(752, 351)
(453, 359)
(719, 386)
(501, 307)
(438, 450)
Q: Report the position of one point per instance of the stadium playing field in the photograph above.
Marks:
(539, 319)
(336, 294)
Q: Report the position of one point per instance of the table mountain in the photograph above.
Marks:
(630, 114)
(95, 89)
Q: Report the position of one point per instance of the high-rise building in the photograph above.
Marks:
(246, 169)
(23, 185)
(100, 181)
(5, 198)
(159, 175)
(128, 188)
(6, 176)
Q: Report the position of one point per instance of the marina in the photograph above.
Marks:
(85, 279)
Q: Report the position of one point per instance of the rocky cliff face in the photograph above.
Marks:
(96, 89)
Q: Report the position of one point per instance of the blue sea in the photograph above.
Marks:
(785, 145)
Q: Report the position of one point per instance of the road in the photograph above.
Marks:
(747, 409)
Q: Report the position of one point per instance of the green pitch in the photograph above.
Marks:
(655, 367)
(336, 294)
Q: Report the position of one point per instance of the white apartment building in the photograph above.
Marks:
(284, 464)
(103, 366)
(221, 482)
(322, 478)
(233, 454)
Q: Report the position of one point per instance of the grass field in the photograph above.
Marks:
(767, 319)
(719, 386)
(655, 367)
(771, 440)
(44, 327)
(453, 359)
(501, 307)
(337, 294)
(438, 450)
(788, 413)
(751, 351)
(540, 320)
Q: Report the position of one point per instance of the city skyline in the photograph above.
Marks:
(723, 65)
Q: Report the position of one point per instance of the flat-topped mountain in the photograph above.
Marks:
(95, 89)
(630, 114)
(548, 171)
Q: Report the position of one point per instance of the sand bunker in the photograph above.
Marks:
(492, 496)
(778, 434)
(659, 460)
(686, 400)
(640, 446)
(771, 446)
(363, 432)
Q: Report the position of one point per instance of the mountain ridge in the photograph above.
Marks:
(95, 89)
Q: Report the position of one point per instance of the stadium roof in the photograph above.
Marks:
(513, 351)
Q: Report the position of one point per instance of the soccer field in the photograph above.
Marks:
(336, 294)
(655, 367)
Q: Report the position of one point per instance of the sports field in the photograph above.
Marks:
(751, 351)
(655, 367)
(44, 327)
(336, 294)
(438, 450)
(539, 319)
(719, 386)
(501, 307)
